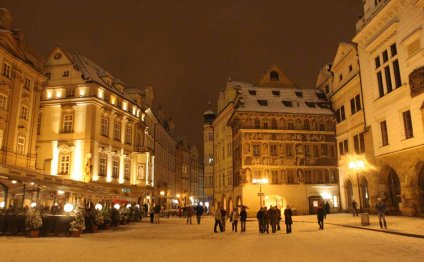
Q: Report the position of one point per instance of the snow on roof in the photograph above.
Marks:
(93, 72)
(282, 100)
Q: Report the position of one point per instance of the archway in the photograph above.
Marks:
(364, 193)
(421, 188)
(230, 205)
(393, 190)
(349, 193)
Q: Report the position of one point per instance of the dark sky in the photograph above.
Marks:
(187, 49)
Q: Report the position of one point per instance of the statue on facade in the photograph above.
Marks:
(416, 81)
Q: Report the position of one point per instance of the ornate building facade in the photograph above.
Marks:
(208, 157)
(273, 131)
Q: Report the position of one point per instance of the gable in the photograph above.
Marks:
(342, 51)
(275, 77)
(58, 56)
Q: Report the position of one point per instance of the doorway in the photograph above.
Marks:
(394, 191)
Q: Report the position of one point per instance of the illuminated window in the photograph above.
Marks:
(27, 84)
(64, 164)
(117, 130)
(256, 150)
(102, 165)
(128, 135)
(140, 172)
(7, 69)
(68, 123)
(105, 126)
(127, 170)
(3, 102)
(20, 148)
(24, 113)
(115, 168)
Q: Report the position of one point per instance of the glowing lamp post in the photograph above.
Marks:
(260, 182)
(358, 165)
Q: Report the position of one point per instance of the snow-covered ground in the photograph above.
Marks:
(173, 240)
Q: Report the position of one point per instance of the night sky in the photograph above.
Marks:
(187, 49)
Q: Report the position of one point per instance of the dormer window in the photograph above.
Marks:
(299, 93)
(310, 104)
(65, 73)
(252, 92)
(287, 103)
(274, 76)
(263, 102)
(276, 93)
(321, 95)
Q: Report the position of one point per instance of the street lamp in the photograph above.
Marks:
(260, 182)
(358, 165)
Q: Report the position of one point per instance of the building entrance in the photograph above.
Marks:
(394, 191)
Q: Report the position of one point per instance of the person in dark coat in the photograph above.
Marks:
(381, 211)
(260, 217)
(321, 216)
(354, 208)
(243, 218)
(273, 218)
(190, 212)
(152, 214)
(327, 207)
(223, 218)
(199, 212)
(266, 220)
(279, 217)
(288, 219)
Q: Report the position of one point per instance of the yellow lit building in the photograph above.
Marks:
(89, 129)
(21, 82)
(341, 81)
(390, 41)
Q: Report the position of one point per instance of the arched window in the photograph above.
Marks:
(314, 124)
(349, 194)
(274, 123)
(257, 123)
(274, 76)
(364, 193)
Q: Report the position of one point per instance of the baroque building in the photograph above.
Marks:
(89, 129)
(390, 43)
(275, 132)
(21, 82)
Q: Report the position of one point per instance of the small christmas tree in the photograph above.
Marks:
(33, 220)
(79, 223)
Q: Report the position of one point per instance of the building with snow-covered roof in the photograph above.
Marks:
(275, 131)
(90, 130)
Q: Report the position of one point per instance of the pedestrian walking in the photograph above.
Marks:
(381, 211)
(152, 214)
(217, 215)
(199, 213)
(273, 217)
(266, 221)
(321, 216)
(223, 218)
(288, 219)
(157, 214)
(243, 218)
(279, 217)
(260, 217)
(190, 212)
(327, 207)
(234, 218)
(354, 208)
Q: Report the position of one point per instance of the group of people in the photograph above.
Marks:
(272, 217)
(221, 217)
(380, 207)
(190, 211)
